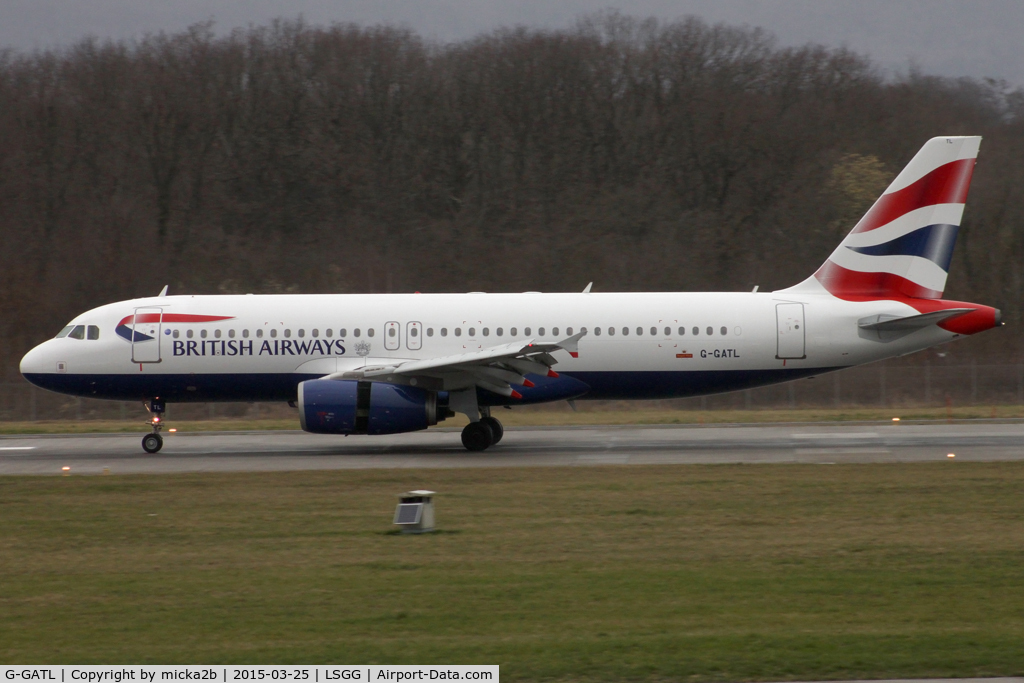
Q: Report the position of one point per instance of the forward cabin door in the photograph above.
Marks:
(146, 333)
(392, 336)
(792, 338)
(414, 336)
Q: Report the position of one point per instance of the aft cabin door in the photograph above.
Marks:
(792, 337)
(392, 336)
(146, 334)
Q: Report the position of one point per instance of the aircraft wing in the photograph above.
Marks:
(495, 369)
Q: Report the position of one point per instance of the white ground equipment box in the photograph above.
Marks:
(415, 512)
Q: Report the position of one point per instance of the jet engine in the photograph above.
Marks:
(351, 407)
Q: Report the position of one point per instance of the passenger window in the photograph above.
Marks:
(216, 333)
(472, 332)
(540, 332)
(696, 331)
(65, 332)
(487, 332)
(188, 333)
(512, 331)
(499, 332)
(711, 331)
(315, 333)
(414, 332)
(554, 331)
(343, 333)
(356, 332)
(582, 329)
(527, 331)
(245, 333)
(597, 331)
(568, 331)
(458, 331)
(302, 332)
(682, 331)
(444, 331)
(654, 331)
(259, 333)
(231, 333)
(369, 332)
(611, 331)
(94, 332)
(430, 331)
(625, 331)
(639, 331)
(175, 334)
(328, 332)
(668, 331)
(273, 332)
(287, 333)
(725, 330)
(203, 333)
(737, 330)
(391, 332)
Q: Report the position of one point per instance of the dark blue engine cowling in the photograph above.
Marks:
(328, 406)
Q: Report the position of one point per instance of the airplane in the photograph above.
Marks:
(391, 363)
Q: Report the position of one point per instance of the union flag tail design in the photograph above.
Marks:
(903, 245)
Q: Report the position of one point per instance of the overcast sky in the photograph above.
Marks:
(981, 38)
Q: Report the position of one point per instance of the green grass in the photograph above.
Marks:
(622, 413)
(600, 573)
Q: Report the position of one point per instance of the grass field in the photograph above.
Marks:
(552, 416)
(598, 573)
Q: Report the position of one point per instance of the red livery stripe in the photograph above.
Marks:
(948, 184)
(173, 318)
(849, 285)
(844, 284)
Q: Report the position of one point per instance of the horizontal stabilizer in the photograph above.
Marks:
(889, 327)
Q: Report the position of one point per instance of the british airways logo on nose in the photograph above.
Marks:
(146, 324)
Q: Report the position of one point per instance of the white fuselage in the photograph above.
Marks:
(643, 345)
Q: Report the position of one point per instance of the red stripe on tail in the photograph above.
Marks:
(852, 285)
(948, 184)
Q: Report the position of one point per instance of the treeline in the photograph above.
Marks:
(637, 154)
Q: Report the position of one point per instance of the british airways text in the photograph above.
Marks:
(274, 347)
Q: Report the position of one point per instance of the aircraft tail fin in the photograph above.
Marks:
(903, 245)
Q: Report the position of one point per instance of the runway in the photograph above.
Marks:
(521, 447)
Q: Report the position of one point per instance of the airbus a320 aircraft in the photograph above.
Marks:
(389, 363)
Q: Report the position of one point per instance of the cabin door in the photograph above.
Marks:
(146, 332)
(792, 337)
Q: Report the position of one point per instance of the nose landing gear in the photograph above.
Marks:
(151, 443)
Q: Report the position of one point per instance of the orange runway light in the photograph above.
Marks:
(951, 455)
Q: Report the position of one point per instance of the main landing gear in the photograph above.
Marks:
(478, 436)
(151, 443)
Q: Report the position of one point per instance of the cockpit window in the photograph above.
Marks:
(78, 332)
(94, 332)
(63, 333)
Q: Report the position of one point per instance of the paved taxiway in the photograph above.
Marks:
(521, 447)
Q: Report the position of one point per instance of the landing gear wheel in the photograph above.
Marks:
(151, 443)
(496, 428)
(477, 436)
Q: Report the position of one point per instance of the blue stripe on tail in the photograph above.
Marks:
(934, 242)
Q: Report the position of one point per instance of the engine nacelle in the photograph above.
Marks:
(329, 406)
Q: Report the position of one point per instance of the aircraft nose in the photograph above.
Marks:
(36, 362)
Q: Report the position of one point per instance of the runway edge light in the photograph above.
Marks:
(415, 512)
